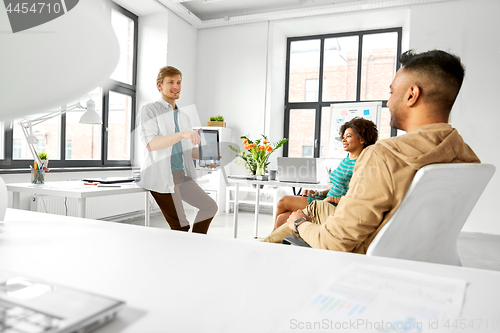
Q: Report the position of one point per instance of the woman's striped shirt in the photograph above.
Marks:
(340, 177)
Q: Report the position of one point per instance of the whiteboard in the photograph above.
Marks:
(340, 113)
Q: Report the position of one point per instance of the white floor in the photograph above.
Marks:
(475, 250)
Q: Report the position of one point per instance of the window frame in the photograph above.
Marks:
(320, 104)
(8, 162)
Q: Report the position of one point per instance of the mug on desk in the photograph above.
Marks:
(272, 174)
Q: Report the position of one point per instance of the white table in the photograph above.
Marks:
(249, 182)
(184, 282)
(78, 190)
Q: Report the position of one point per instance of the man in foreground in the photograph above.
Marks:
(422, 95)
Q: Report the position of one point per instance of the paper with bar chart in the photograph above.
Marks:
(380, 299)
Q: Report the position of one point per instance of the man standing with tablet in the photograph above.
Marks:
(167, 169)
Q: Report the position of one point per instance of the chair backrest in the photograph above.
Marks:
(426, 225)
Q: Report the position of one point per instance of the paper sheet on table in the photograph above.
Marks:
(365, 298)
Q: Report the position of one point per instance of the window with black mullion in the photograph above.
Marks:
(336, 60)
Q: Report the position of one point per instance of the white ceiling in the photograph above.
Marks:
(208, 10)
(213, 13)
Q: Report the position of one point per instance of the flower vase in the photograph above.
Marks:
(260, 170)
(259, 173)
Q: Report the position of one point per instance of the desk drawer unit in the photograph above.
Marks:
(96, 208)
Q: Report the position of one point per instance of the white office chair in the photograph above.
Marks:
(426, 225)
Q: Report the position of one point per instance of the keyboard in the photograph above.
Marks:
(18, 319)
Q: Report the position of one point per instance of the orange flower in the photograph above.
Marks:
(252, 145)
(247, 147)
(269, 148)
(245, 141)
(265, 142)
(262, 147)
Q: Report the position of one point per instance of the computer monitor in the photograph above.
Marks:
(209, 152)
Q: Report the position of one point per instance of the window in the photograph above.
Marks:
(336, 68)
(340, 66)
(307, 151)
(87, 138)
(124, 26)
(119, 124)
(16, 152)
(68, 149)
(311, 90)
(304, 66)
(302, 124)
(40, 147)
(71, 144)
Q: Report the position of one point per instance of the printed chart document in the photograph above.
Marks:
(365, 298)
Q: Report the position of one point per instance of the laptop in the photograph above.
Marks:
(32, 305)
(109, 180)
(297, 170)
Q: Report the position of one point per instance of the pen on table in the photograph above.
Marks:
(104, 185)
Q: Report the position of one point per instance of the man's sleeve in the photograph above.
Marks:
(360, 211)
(148, 125)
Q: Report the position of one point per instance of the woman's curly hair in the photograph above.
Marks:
(365, 129)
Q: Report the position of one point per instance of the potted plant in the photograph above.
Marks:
(43, 158)
(217, 121)
(256, 154)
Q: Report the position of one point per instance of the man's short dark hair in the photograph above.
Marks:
(443, 70)
(365, 129)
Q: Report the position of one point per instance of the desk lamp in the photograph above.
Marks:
(89, 117)
(60, 59)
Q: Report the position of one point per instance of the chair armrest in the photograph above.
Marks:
(297, 241)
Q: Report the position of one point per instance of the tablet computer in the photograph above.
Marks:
(209, 153)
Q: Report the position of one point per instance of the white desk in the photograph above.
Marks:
(184, 282)
(248, 182)
(76, 189)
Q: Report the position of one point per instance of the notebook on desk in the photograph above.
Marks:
(109, 180)
(297, 170)
(31, 305)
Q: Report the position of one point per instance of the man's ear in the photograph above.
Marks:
(412, 95)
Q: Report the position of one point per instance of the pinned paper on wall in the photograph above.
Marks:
(341, 113)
